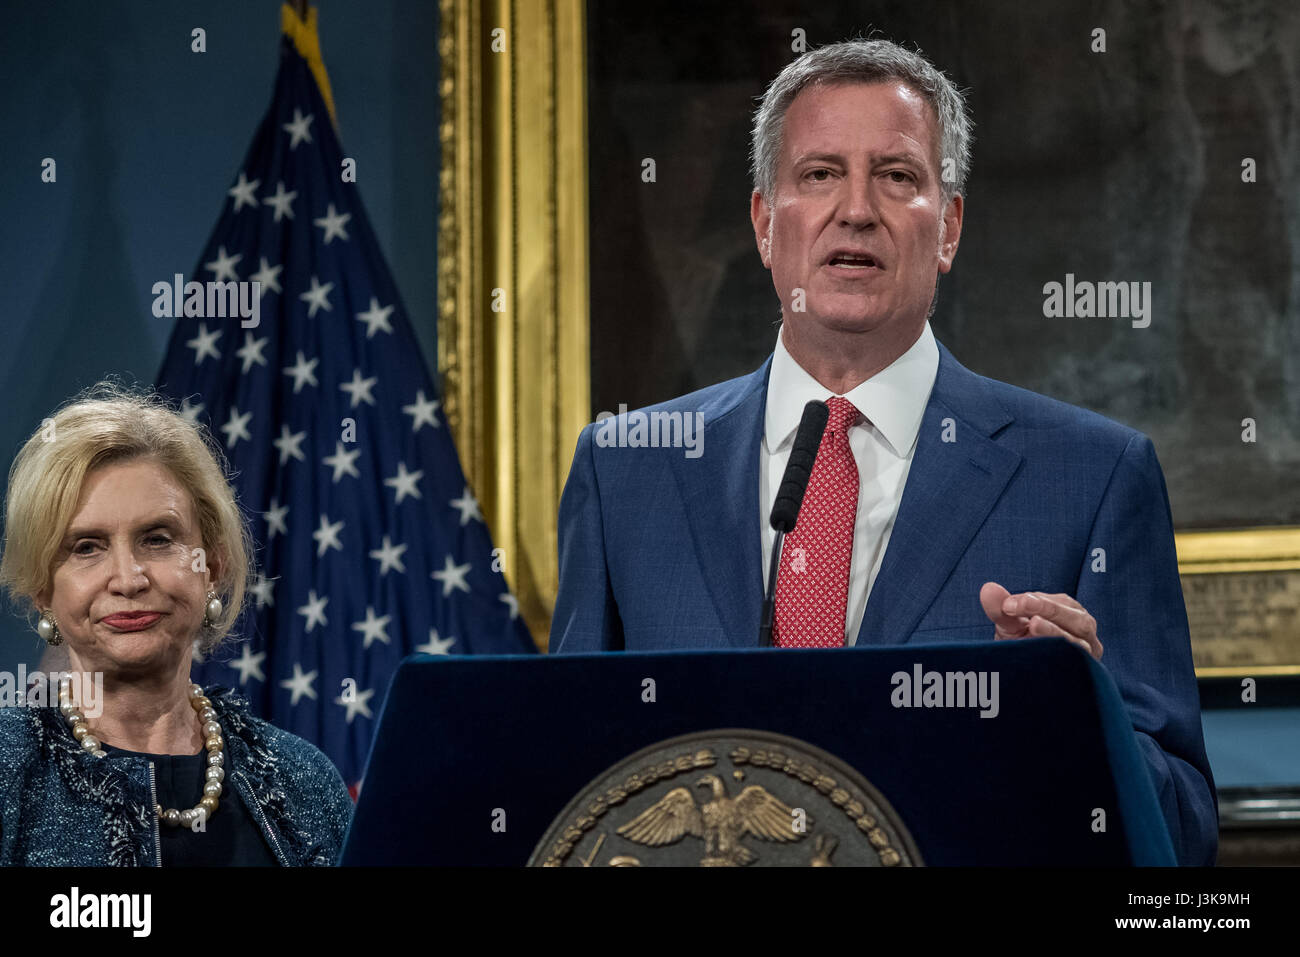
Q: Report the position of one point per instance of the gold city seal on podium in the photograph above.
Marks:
(727, 798)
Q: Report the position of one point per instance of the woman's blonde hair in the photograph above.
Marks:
(109, 423)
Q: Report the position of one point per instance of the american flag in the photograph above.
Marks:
(371, 546)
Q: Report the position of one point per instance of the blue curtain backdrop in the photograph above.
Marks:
(147, 136)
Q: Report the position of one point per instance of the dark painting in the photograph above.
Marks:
(1128, 165)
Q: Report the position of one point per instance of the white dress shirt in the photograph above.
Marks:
(883, 439)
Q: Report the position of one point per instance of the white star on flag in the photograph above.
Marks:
(268, 276)
(251, 351)
(334, 224)
(327, 536)
(373, 628)
(422, 411)
(319, 297)
(190, 413)
(343, 462)
(300, 684)
(376, 318)
(452, 576)
(275, 519)
(205, 343)
(290, 444)
(281, 202)
(298, 128)
(468, 506)
(314, 610)
(303, 372)
(243, 192)
(262, 589)
(404, 482)
(249, 665)
(436, 645)
(224, 265)
(359, 389)
(390, 556)
(511, 602)
(359, 703)
(236, 427)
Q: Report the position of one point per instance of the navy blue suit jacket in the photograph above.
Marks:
(659, 550)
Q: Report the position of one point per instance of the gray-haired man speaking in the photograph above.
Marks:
(942, 505)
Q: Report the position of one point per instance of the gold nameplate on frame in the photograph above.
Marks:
(1242, 590)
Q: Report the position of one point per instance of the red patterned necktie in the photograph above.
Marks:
(812, 587)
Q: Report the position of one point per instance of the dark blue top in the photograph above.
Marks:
(231, 837)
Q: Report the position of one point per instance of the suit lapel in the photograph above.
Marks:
(951, 488)
(720, 495)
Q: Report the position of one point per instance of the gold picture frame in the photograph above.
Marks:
(513, 334)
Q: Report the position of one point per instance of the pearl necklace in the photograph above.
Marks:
(213, 742)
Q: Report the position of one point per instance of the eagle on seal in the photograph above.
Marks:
(721, 822)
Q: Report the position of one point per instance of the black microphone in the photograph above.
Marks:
(807, 440)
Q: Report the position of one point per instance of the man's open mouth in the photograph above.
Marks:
(853, 261)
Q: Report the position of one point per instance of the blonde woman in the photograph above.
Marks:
(123, 534)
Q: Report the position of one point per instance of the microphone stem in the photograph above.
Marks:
(769, 603)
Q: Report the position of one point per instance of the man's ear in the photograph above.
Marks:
(950, 233)
(760, 214)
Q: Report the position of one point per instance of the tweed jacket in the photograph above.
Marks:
(61, 806)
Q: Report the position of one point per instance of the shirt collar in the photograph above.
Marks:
(893, 399)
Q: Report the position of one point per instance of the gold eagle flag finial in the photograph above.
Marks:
(722, 822)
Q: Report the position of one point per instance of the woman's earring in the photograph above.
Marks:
(213, 610)
(48, 628)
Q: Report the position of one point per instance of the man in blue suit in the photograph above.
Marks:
(941, 502)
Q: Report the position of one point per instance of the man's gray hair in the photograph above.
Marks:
(863, 61)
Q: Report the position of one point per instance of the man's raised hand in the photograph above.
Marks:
(1032, 614)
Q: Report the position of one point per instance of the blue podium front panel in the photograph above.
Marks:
(476, 756)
